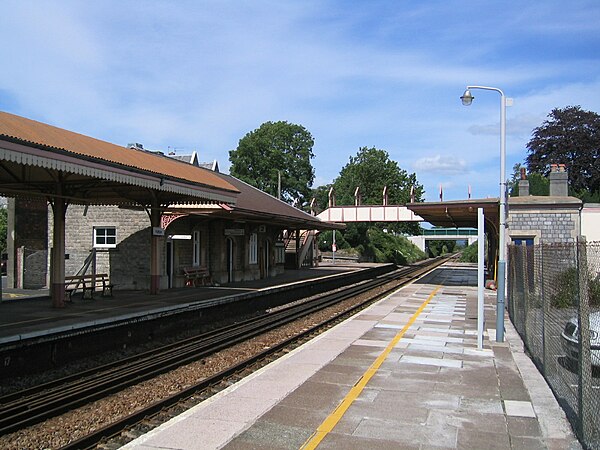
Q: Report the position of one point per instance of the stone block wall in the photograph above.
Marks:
(548, 219)
(548, 226)
(34, 268)
(128, 265)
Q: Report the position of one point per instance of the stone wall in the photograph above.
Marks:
(546, 219)
(549, 227)
(128, 264)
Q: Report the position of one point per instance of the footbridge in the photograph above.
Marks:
(444, 234)
(369, 213)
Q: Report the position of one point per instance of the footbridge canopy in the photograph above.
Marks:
(369, 213)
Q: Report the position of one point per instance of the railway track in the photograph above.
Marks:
(42, 402)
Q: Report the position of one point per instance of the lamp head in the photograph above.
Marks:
(467, 98)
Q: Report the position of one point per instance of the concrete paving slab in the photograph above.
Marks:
(372, 343)
(338, 441)
(519, 408)
(469, 439)
(407, 434)
(268, 435)
(523, 426)
(481, 405)
(408, 359)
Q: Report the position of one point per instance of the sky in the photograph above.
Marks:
(198, 75)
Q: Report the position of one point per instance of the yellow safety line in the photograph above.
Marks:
(330, 422)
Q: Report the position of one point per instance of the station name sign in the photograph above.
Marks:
(234, 232)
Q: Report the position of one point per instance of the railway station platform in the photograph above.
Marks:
(404, 373)
(28, 314)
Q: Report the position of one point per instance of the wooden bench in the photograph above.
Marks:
(197, 276)
(88, 284)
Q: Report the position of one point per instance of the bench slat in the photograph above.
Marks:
(196, 275)
(89, 283)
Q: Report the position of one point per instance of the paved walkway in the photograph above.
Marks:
(404, 374)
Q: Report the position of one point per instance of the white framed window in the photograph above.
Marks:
(253, 251)
(196, 249)
(279, 253)
(105, 237)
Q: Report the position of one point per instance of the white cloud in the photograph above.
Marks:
(445, 164)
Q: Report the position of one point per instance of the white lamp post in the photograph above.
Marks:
(467, 99)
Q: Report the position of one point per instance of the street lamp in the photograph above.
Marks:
(467, 99)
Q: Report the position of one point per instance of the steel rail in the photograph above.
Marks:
(42, 402)
(114, 429)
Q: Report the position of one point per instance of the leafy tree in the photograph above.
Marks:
(441, 247)
(276, 147)
(470, 254)
(371, 170)
(569, 136)
(325, 241)
(321, 196)
(538, 184)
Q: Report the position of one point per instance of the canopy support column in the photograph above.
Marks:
(57, 282)
(156, 241)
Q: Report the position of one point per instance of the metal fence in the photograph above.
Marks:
(554, 303)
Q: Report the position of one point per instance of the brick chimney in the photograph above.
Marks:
(558, 180)
(523, 184)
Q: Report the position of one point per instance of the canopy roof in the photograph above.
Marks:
(457, 213)
(39, 159)
(255, 205)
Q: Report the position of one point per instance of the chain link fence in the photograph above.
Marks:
(554, 303)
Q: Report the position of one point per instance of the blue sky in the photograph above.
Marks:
(198, 75)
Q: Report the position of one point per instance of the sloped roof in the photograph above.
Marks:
(135, 162)
(457, 213)
(254, 204)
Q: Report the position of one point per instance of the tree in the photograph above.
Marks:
(321, 196)
(272, 149)
(569, 136)
(371, 170)
(538, 184)
(437, 248)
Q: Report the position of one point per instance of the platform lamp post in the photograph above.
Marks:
(467, 99)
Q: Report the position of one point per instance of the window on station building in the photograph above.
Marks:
(196, 256)
(279, 253)
(526, 241)
(105, 237)
(253, 253)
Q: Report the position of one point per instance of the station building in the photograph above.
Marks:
(253, 239)
(80, 205)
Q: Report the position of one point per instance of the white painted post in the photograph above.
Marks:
(480, 277)
(333, 247)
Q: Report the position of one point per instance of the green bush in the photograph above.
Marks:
(469, 254)
(568, 287)
(325, 239)
(387, 247)
(373, 243)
